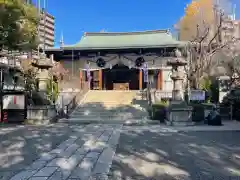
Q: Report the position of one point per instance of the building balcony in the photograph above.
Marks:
(47, 30)
(47, 36)
(47, 25)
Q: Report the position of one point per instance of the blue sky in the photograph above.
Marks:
(73, 17)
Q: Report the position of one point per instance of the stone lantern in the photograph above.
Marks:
(177, 76)
(43, 64)
(179, 113)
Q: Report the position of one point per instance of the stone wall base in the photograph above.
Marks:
(179, 123)
(179, 117)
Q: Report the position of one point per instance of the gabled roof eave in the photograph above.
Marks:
(125, 47)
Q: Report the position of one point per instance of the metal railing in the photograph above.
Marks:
(74, 102)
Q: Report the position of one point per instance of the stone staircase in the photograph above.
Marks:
(110, 107)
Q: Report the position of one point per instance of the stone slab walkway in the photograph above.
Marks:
(84, 155)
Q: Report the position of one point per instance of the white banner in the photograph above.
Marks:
(87, 66)
(145, 72)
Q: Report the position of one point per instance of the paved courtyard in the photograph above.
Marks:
(161, 153)
(83, 152)
(57, 152)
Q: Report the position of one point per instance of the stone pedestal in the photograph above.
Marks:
(179, 114)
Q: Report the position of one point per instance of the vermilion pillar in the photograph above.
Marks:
(140, 79)
(159, 80)
(100, 79)
(81, 78)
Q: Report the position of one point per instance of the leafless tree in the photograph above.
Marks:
(232, 63)
(207, 43)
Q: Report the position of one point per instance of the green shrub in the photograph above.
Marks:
(198, 112)
(158, 111)
(52, 90)
(237, 115)
(36, 99)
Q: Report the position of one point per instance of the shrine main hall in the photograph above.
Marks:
(114, 61)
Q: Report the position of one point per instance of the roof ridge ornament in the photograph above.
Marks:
(124, 33)
(61, 40)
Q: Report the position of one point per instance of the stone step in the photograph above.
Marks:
(105, 105)
(110, 98)
(89, 113)
(119, 121)
(73, 118)
(180, 123)
(113, 116)
(86, 105)
(92, 116)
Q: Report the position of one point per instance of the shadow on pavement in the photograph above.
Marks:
(152, 154)
(21, 145)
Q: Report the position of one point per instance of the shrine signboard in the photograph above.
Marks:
(197, 95)
(13, 102)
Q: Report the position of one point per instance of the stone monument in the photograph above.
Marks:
(179, 113)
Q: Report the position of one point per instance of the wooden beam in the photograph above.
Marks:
(140, 79)
(159, 80)
(100, 80)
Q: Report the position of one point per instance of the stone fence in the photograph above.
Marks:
(41, 114)
(158, 95)
(67, 101)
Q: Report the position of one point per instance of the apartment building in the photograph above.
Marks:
(46, 27)
(230, 29)
(29, 1)
(46, 30)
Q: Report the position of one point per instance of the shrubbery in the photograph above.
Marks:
(197, 112)
(233, 99)
(52, 90)
(158, 111)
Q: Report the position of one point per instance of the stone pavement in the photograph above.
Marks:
(152, 152)
(86, 153)
(77, 152)
(20, 145)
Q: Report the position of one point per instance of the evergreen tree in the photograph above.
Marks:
(18, 25)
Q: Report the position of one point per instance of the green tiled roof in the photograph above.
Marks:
(110, 40)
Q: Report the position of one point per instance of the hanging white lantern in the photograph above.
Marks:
(129, 64)
(110, 66)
